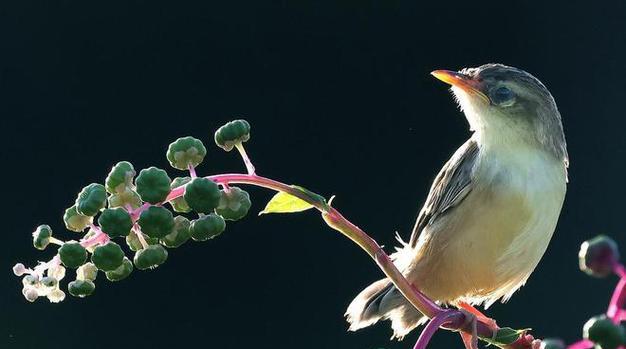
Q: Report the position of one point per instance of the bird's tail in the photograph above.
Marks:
(382, 301)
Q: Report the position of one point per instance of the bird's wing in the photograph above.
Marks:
(450, 187)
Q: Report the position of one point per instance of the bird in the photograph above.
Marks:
(491, 210)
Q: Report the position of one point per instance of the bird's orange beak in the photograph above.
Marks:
(461, 81)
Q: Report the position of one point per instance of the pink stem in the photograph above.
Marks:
(192, 171)
(99, 237)
(432, 327)
(581, 344)
(617, 301)
(336, 221)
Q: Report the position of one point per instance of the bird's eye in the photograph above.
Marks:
(502, 96)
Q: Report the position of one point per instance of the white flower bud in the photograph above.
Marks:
(30, 280)
(87, 271)
(57, 272)
(56, 296)
(49, 281)
(30, 294)
(19, 269)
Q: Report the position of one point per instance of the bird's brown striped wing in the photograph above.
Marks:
(450, 187)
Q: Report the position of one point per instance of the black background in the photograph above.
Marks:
(340, 101)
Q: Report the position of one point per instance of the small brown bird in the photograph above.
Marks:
(492, 208)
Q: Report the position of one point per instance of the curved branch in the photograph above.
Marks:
(334, 219)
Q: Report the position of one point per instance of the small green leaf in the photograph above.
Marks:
(285, 203)
(506, 336)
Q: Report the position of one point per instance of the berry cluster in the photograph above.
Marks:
(599, 257)
(132, 208)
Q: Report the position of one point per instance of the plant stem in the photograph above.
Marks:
(433, 326)
(335, 220)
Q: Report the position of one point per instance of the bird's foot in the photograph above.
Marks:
(470, 340)
(479, 315)
(473, 315)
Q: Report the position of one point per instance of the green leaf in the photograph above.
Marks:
(506, 336)
(285, 203)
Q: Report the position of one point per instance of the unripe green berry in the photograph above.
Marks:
(81, 288)
(150, 257)
(202, 195)
(153, 185)
(108, 256)
(156, 222)
(41, 236)
(115, 222)
(179, 235)
(186, 151)
(127, 197)
(87, 271)
(234, 204)
(72, 254)
(179, 204)
(598, 256)
(207, 227)
(91, 199)
(122, 272)
(232, 133)
(135, 245)
(75, 221)
(602, 331)
(120, 178)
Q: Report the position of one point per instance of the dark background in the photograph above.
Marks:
(340, 100)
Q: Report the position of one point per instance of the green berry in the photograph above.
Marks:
(150, 257)
(115, 222)
(207, 227)
(135, 245)
(156, 222)
(153, 185)
(179, 204)
(122, 272)
(127, 197)
(87, 271)
(72, 254)
(41, 236)
(232, 133)
(108, 256)
(179, 235)
(75, 221)
(552, 343)
(598, 256)
(81, 288)
(602, 331)
(202, 195)
(234, 204)
(186, 151)
(120, 178)
(91, 199)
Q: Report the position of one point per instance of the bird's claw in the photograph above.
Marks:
(470, 340)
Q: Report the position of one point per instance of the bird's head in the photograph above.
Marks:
(505, 105)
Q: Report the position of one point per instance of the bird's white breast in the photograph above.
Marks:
(528, 188)
(488, 246)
